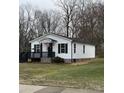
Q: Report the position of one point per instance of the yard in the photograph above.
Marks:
(88, 76)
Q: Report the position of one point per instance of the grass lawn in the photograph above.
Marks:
(88, 76)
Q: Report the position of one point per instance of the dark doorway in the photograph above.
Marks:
(50, 49)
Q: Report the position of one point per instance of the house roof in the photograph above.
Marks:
(49, 34)
(76, 40)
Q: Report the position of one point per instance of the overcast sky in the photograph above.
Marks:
(43, 4)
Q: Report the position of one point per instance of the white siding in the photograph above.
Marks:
(55, 46)
(89, 51)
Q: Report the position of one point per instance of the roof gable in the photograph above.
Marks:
(60, 36)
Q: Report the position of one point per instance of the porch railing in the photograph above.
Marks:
(42, 55)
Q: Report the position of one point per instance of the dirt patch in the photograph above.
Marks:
(80, 63)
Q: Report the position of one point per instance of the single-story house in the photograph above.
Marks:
(53, 45)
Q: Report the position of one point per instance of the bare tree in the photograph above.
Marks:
(26, 27)
(47, 21)
(68, 7)
(21, 29)
(30, 25)
(92, 23)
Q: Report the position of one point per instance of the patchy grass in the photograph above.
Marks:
(88, 76)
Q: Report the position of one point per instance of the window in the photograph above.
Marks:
(83, 48)
(37, 48)
(74, 48)
(63, 48)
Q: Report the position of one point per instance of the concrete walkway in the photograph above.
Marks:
(29, 88)
(47, 89)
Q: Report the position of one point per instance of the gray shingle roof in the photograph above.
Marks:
(76, 40)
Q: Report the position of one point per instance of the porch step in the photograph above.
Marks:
(45, 60)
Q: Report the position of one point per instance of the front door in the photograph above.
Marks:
(50, 49)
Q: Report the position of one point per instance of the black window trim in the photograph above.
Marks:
(84, 49)
(63, 48)
(36, 48)
(74, 47)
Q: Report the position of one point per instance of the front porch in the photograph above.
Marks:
(42, 55)
(43, 49)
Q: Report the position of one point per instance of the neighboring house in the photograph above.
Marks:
(53, 45)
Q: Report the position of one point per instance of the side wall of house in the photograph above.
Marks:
(89, 51)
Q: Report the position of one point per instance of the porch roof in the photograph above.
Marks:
(47, 40)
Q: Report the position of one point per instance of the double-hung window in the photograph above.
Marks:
(63, 48)
(74, 48)
(83, 49)
(37, 48)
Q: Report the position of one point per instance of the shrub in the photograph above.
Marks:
(100, 55)
(100, 52)
(57, 60)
